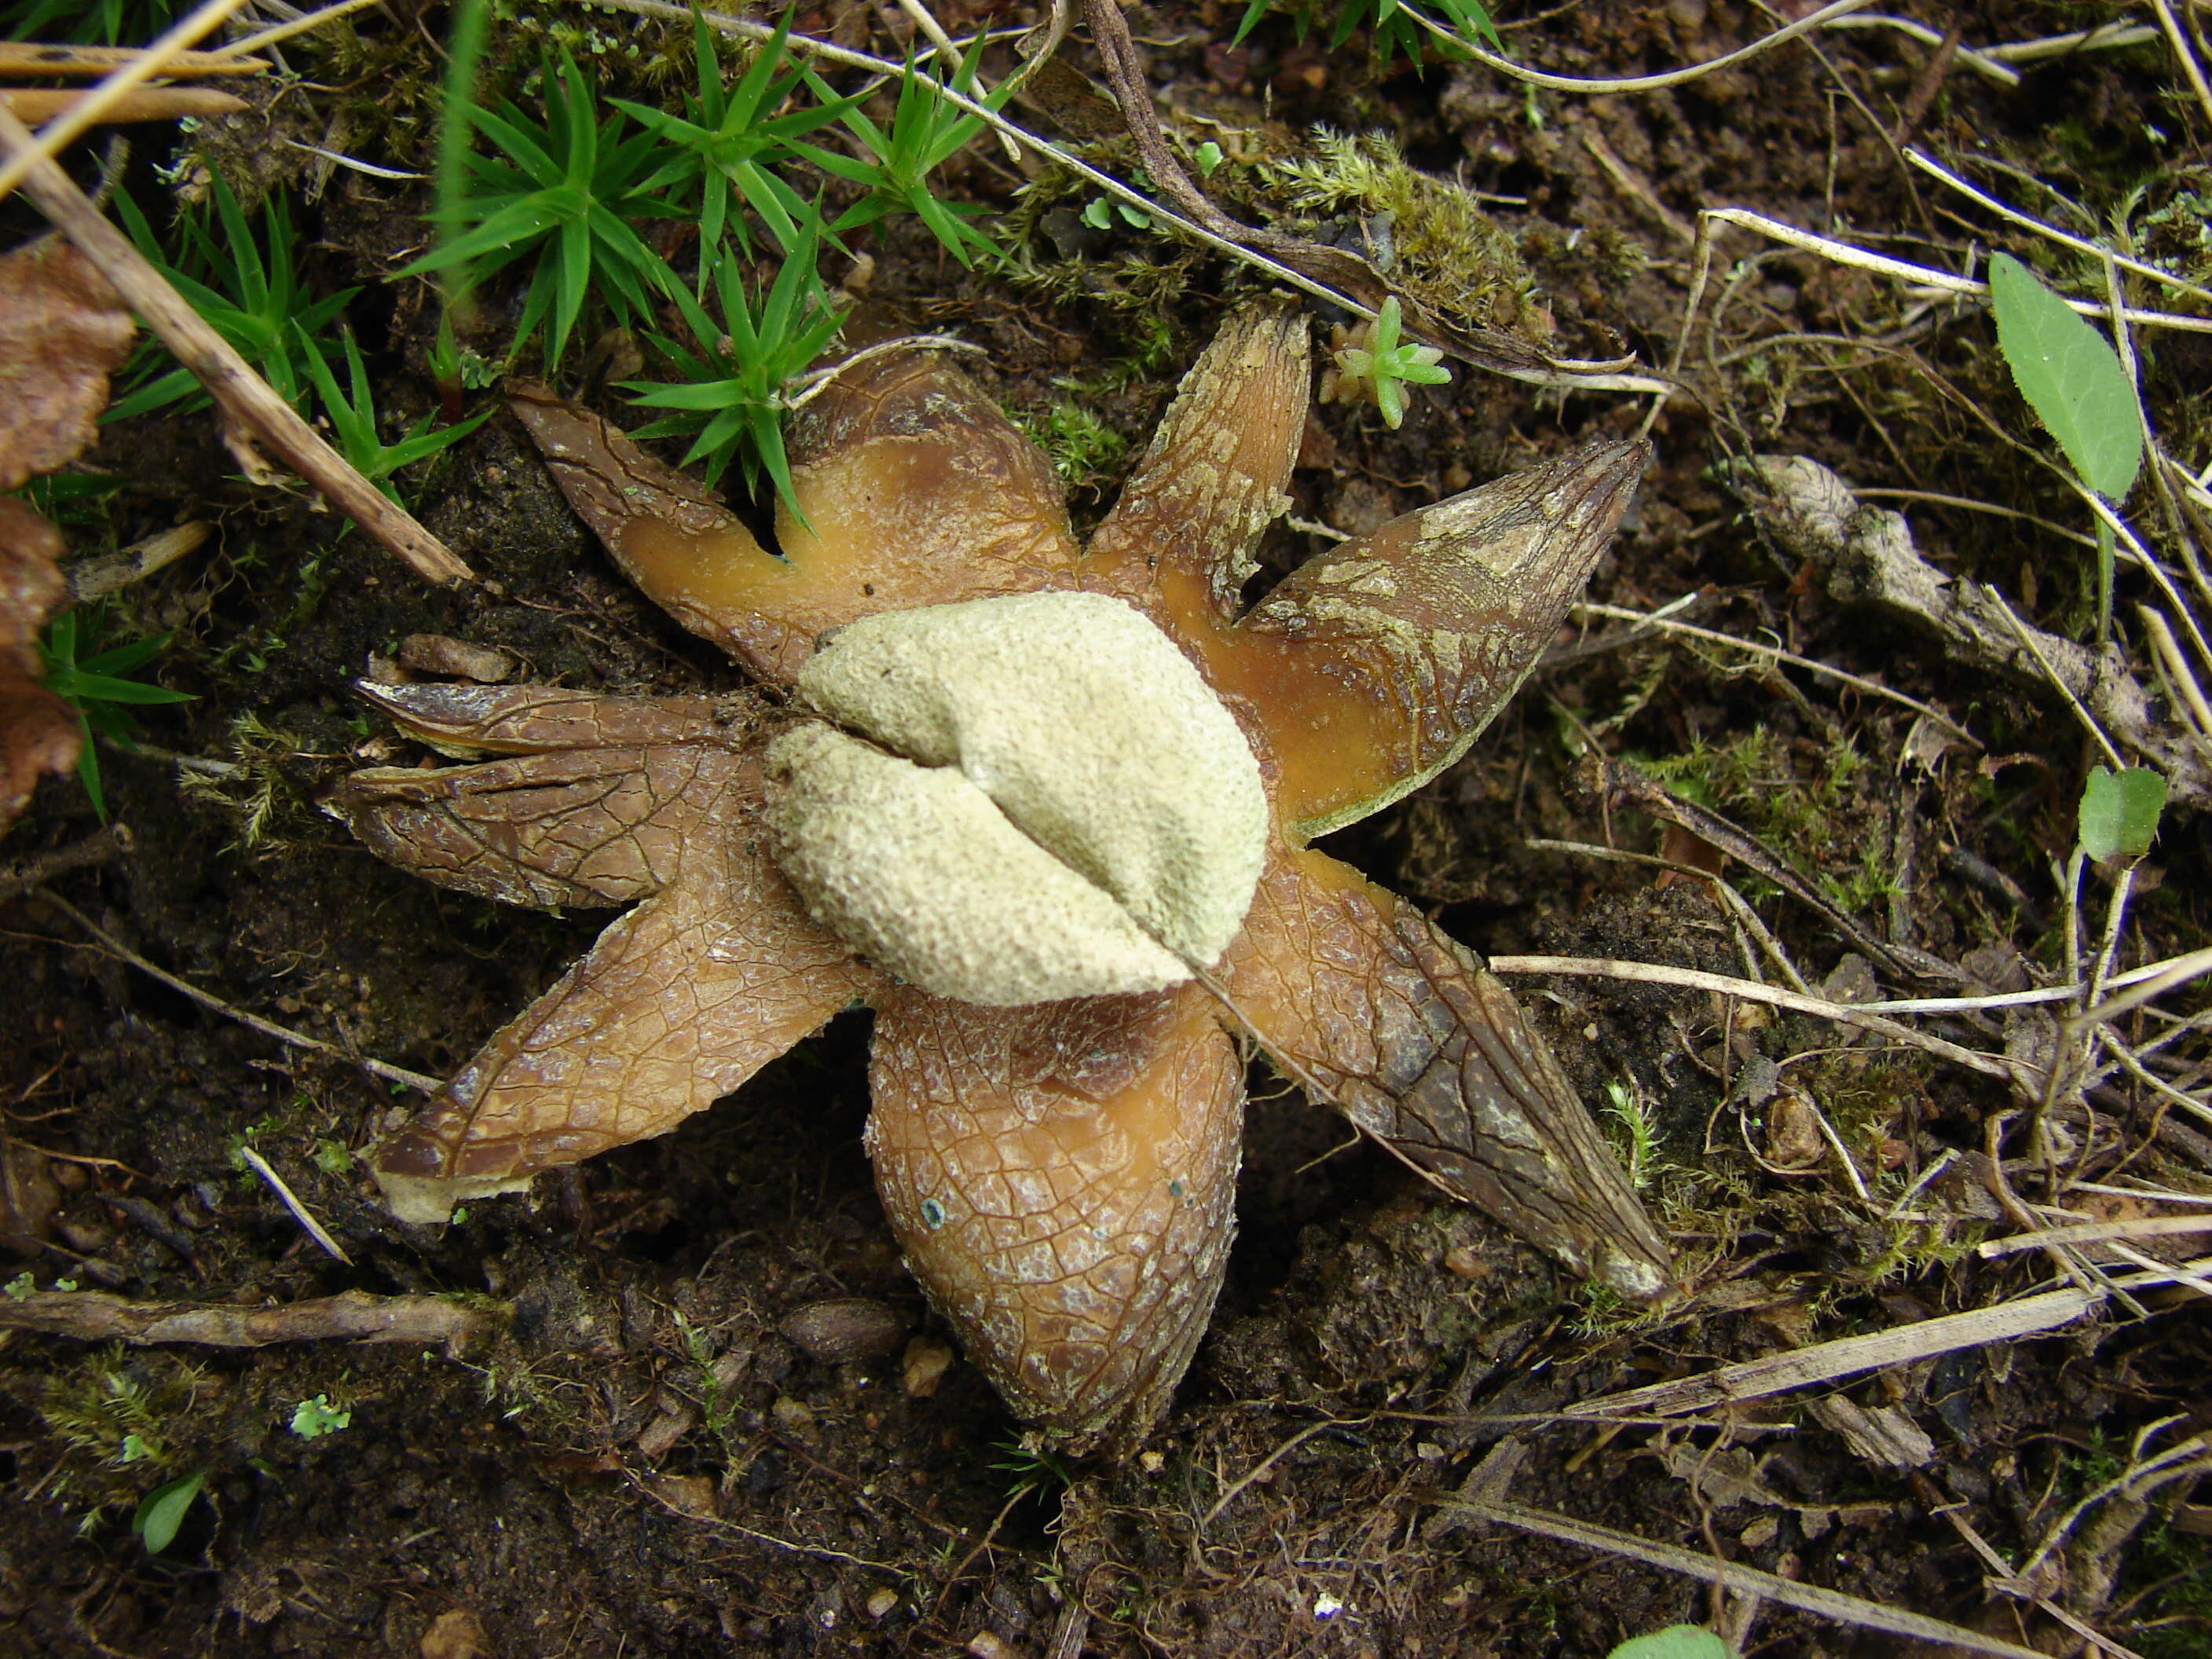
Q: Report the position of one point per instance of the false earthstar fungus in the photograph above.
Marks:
(1046, 809)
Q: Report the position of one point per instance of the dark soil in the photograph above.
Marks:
(1375, 1343)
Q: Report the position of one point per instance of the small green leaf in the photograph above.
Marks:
(313, 1419)
(163, 1510)
(1209, 156)
(2119, 812)
(2071, 376)
(1676, 1642)
(22, 1285)
(1098, 214)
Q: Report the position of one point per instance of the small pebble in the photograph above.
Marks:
(456, 1634)
(845, 1328)
(927, 1361)
(881, 1602)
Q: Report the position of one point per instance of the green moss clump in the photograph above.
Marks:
(1433, 237)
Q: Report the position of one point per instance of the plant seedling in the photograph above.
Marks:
(723, 143)
(1396, 27)
(2119, 815)
(353, 420)
(570, 192)
(163, 1510)
(2073, 380)
(313, 1419)
(731, 400)
(253, 299)
(926, 131)
(1676, 1642)
(97, 688)
(1379, 362)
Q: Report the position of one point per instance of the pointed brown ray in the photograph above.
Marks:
(916, 490)
(585, 827)
(1372, 667)
(1214, 477)
(679, 1003)
(1354, 991)
(671, 535)
(599, 802)
(1061, 1178)
(529, 719)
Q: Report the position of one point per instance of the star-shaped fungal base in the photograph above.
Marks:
(1060, 1175)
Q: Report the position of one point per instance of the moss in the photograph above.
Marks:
(1085, 452)
(1433, 237)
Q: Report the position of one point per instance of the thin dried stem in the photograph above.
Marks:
(1692, 979)
(292, 1039)
(2171, 27)
(290, 1200)
(2050, 233)
(1858, 682)
(307, 24)
(1606, 86)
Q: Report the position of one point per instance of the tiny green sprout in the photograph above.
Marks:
(571, 192)
(731, 139)
(313, 1419)
(1100, 215)
(1378, 365)
(1626, 1106)
(353, 421)
(22, 1285)
(248, 293)
(2118, 814)
(98, 687)
(163, 1510)
(2072, 379)
(137, 1448)
(1676, 1642)
(332, 1158)
(1209, 156)
(731, 396)
(926, 129)
(65, 1283)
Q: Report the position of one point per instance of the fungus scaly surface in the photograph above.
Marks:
(1060, 1172)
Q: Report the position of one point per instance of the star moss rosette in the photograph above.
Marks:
(1066, 879)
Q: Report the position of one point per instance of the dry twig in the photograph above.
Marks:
(351, 1316)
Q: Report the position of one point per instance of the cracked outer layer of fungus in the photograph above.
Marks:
(1059, 1168)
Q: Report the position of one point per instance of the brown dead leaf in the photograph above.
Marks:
(38, 730)
(62, 332)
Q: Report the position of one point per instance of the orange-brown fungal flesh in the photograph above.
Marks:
(671, 535)
(915, 490)
(1061, 1178)
(1413, 636)
(1359, 997)
(679, 1002)
(1215, 476)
